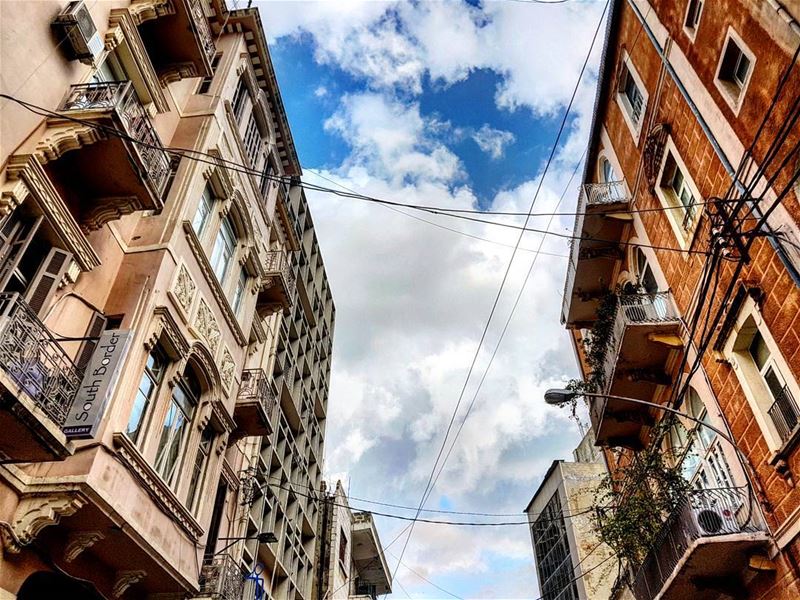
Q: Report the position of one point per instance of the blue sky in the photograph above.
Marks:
(457, 104)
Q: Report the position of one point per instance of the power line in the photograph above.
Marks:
(428, 487)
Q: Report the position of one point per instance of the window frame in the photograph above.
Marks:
(226, 225)
(185, 434)
(209, 199)
(691, 30)
(623, 101)
(731, 91)
(147, 410)
(677, 214)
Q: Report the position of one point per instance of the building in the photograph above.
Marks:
(166, 323)
(350, 559)
(684, 279)
(565, 547)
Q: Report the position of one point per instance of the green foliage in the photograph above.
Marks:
(597, 346)
(637, 497)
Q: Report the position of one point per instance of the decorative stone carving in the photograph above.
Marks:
(145, 10)
(125, 579)
(176, 72)
(226, 368)
(109, 209)
(184, 289)
(166, 328)
(80, 541)
(34, 513)
(206, 325)
(61, 137)
(27, 178)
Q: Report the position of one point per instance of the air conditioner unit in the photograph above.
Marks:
(76, 28)
(718, 520)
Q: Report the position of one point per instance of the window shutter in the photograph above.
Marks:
(15, 237)
(47, 278)
(96, 326)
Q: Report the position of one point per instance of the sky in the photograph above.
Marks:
(458, 104)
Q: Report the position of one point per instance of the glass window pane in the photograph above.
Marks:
(759, 351)
(203, 211)
(223, 250)
(774, 382)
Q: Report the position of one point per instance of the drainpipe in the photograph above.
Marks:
(785, 15)
(774, 242)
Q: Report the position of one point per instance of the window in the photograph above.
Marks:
(631, 96)
(223, 250)
(205, 84)
(783, 409)
(644, 273)
(607, 171)
(252, 141)
(266, 178)
(239, 97)
(176, 427)
(238, 292)
(110, 70)
(634, 97)
(734, 70)
(148, 389)
(693, 11)
(203, 211)
(698, 448)
(343, 549)
(553, 558)
(674, 181)
(200, 464)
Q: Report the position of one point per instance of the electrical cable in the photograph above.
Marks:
(426, 492)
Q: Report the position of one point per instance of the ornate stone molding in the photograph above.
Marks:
(34, 513)
(176, 72)
(125, 579)
(122, 28)
(146, 10)
(205, 323)
(27, 178)
(63, 136)
(200, 354)
(225, 420)
(80, 541)
(227, 366)
(216, 289)
(109, 209)
(159, 491)
(183, 291)
(166, 327)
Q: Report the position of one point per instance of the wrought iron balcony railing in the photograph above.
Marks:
(256, 387)
(702, 514)
(636, 309)
(203, 29)
(591, 194)
(278, 261)
(222, 579)
(36, 362)
(120, 98)
(785, 414)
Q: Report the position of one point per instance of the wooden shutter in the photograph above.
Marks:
(97, 325)
(48, 275)
(15, 237)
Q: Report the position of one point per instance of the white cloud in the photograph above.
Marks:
(320, 92)
(493, 141)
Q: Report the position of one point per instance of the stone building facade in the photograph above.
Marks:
(694, 140)
(150, 191)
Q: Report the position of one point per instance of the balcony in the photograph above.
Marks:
(373, 574)
(645, 332)
(180, 40)
(785, 414)
(254, 404)
(601, 215)
(279, 285)
(703, 549)
(38, 383)
(222, 579)
(103, 155)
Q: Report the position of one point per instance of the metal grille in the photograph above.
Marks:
(785, 414)
(277, 261)
(202, 28)
(34, 360)
(553, 558)
(120, 97)
(256, 387)
(221, 578)
(702, 514)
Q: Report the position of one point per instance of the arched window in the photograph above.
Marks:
(177, 425)
(607, 171)
(224, 249)
(644, 273)
(697, 448)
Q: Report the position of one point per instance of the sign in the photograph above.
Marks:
(97, 386)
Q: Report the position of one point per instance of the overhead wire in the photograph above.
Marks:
(426, 492)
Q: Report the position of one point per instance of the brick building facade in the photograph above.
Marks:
(696, 109)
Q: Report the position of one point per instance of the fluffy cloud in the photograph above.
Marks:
(493, 141)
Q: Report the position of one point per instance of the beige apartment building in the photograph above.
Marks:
(165, 319)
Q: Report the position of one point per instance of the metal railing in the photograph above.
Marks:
(256, 387)
(785, 414)
(32, 357)
(591, 194)
(221, 578)
(120, 97)
(278, 261)
(203, 29)
(636, 309)
(701, 514)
